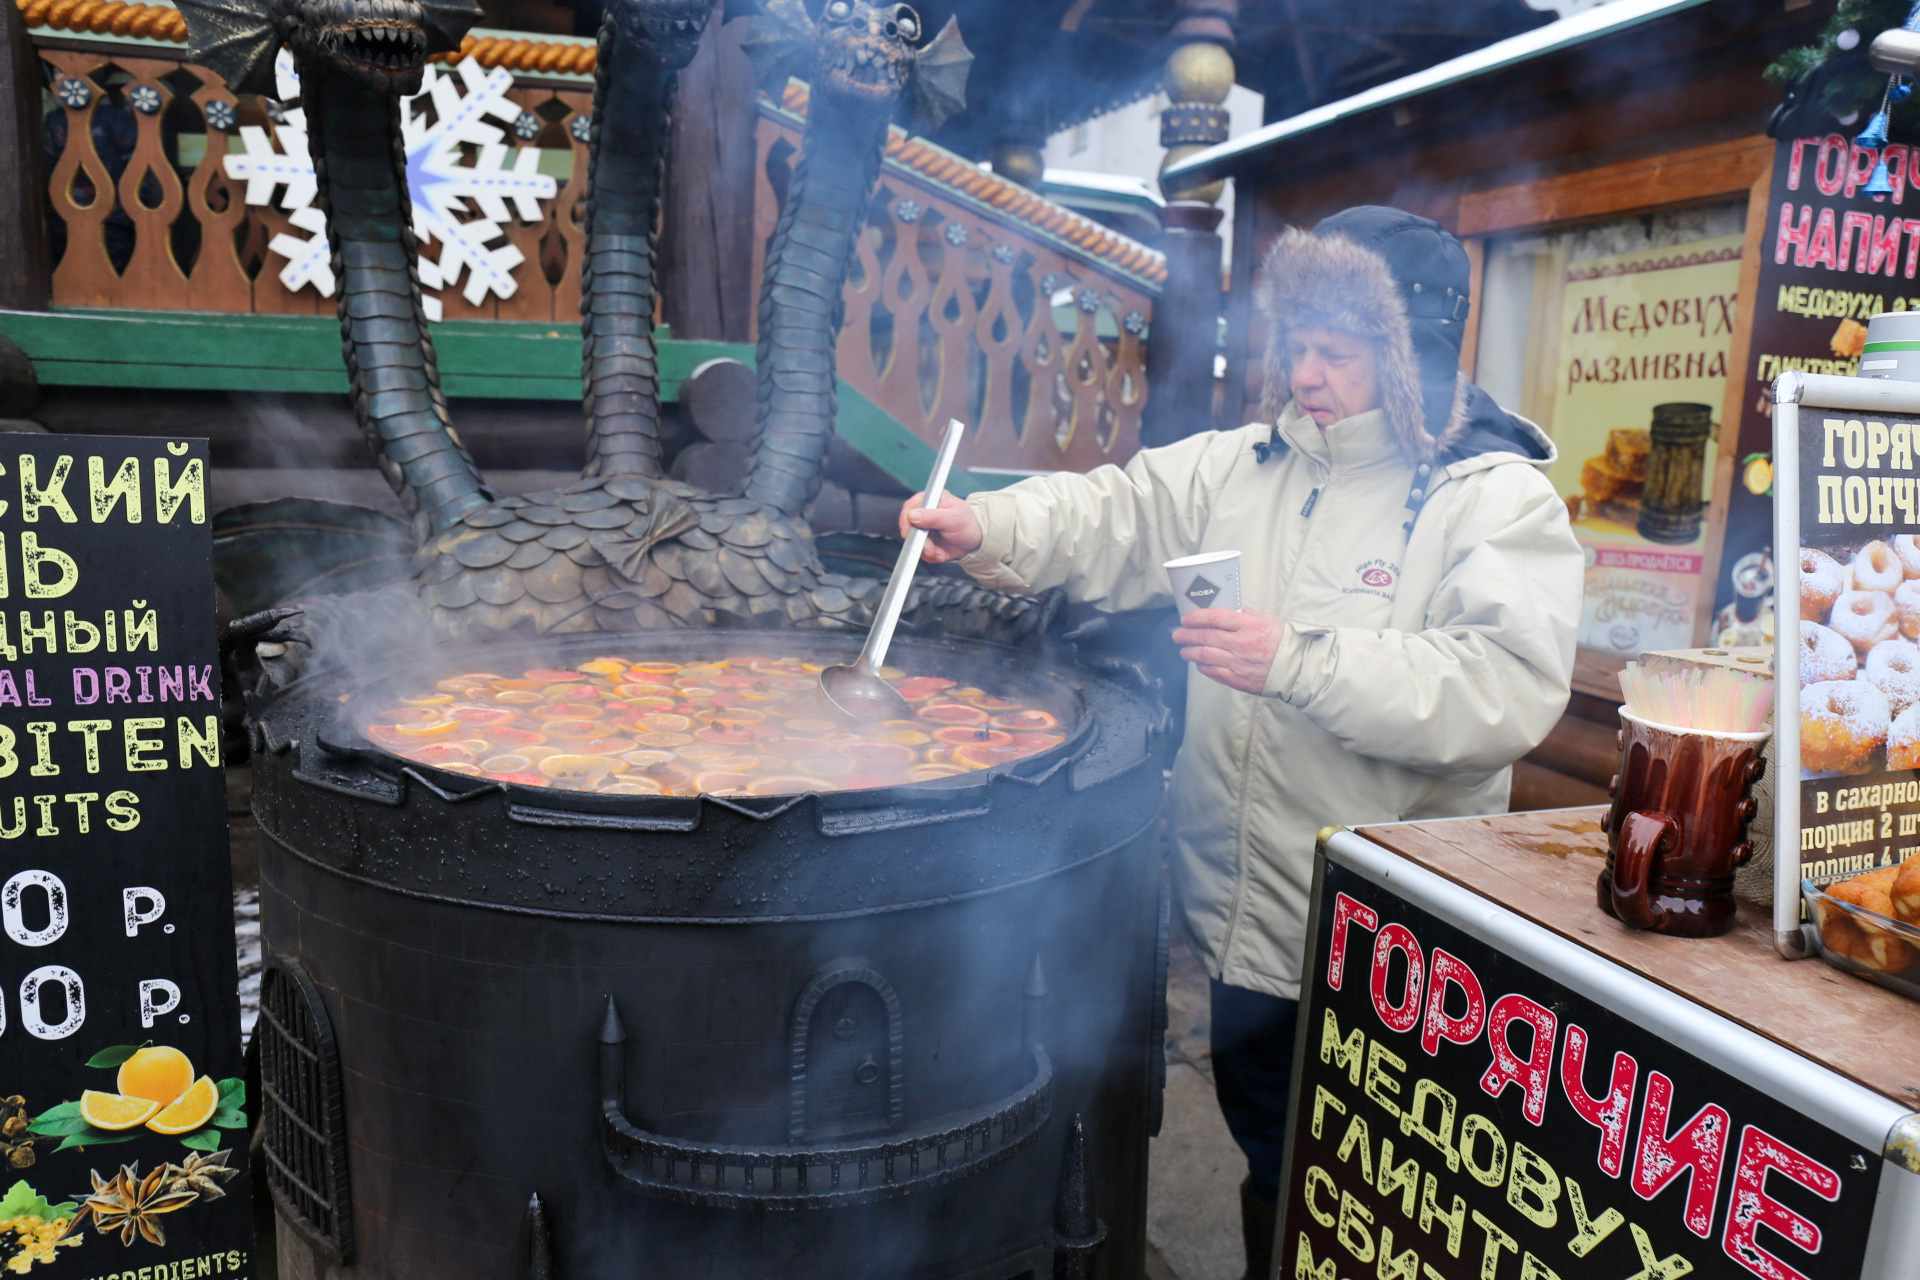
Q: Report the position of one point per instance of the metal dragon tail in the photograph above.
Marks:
(359, 163)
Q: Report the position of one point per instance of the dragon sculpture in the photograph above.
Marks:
(622, 547)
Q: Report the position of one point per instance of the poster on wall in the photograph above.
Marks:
(1831, 257)
(122, 1108)
(1849, 697)
(1459, 1115)
(1641, 370)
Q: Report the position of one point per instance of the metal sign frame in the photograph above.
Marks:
(1793, 392)
(1850, 1110)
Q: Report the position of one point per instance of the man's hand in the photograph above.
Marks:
(952, 528)
(1235, 647)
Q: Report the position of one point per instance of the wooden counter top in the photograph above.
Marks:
(1543, 866)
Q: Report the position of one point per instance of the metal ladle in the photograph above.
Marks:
(857, 691)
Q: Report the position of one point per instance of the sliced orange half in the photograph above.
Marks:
(116, 1110)
(190, 1110)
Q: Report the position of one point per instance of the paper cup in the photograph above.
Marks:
(1207, 581)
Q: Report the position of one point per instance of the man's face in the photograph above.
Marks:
(1335, 374)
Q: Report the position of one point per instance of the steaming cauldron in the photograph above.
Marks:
(901, 1032)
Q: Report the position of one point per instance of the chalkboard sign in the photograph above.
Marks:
(1458, 1115)
(122, 1111)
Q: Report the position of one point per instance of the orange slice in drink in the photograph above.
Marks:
(933, 772)
(952, 713)
(1032, 720)
(960, 736)
(662, 739)
(633, 786)
(468, 714)
(986, 755)
(581, 773)
(438, 753)
(787, 784)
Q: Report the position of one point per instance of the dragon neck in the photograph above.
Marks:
(807, 263)
(633, 92)
(359, 163)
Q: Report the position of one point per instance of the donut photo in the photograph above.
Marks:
(1859, 660)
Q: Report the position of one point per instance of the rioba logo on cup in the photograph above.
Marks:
(1210, 580)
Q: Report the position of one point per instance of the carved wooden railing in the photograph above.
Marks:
(973, 298)
(169, 230)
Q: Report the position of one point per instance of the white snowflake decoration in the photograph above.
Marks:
(472, 241)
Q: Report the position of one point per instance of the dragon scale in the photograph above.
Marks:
(358, 163)
(807, 265)
(633, 96)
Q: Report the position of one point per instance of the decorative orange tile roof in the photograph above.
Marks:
(163, 22)
(1010, 199)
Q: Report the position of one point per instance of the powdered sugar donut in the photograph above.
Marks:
(1906, 607)
(1865, 618)
(1876, 568)
(1821, 582)
(1894, 665)
(1907, 547)
(1841, 722)
(1903, 740)
(1825, 654)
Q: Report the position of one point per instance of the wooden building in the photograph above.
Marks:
(1586, 166)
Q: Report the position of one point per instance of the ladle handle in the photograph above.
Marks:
(874, 655)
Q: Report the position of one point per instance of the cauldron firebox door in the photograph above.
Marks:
(846, 1051)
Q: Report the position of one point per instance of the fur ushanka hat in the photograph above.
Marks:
(1388, 276)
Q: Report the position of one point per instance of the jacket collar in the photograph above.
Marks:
(1365, 442)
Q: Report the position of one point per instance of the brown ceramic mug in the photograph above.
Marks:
(1677, 828)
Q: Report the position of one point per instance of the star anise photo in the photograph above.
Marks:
(202, 1174)
(132, 1204)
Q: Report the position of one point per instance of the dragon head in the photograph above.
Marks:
(868, 55)
(668, 29)
(383, 44)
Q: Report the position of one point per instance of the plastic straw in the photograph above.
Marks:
(1714, 699)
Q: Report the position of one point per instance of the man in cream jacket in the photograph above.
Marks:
(1410, 590)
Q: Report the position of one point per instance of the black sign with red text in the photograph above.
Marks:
(1461, 1117)
(123, 1113)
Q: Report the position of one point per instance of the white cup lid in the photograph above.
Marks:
(1205, 557)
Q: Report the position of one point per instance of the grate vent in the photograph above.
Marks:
(305, 1141)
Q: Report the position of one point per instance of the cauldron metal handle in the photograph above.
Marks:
(720, 1175)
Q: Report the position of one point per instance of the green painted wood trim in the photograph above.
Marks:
(498, 359)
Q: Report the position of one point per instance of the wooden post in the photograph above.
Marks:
(1185, 342)
(707, 282)
(24, 266)
(1186, 326)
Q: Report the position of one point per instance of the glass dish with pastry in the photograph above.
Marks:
(1869, 924)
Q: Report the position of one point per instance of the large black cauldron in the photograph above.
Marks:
(910, 1032)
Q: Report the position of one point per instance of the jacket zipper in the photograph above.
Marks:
(1246, 751)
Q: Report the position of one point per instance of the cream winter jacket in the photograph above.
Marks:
(1429, 640)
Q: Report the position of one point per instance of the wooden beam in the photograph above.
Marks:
(25, 270)
(1726, 461)
(1476, 284)
(706, 240)
(1665, 181)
